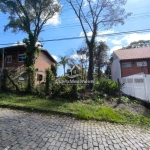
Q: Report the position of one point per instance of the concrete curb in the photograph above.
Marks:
(37, 110)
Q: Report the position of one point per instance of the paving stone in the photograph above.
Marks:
(31, 131)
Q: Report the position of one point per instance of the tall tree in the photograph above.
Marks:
(63, 61)
(100, 57)
(140, 43)
(108, 68)
(94, 15)
(29, 16)
(83, 60)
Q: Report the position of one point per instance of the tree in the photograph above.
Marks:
(93, 14)
(140, 43)
(108, 68)
(63, 61)
(29, 16)
(100, 57)
(83, 59)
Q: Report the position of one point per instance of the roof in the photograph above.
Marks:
(76, 67)
(44, 50)
(135, 53)
(23, 46)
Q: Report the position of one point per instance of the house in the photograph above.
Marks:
(73, 72)
(128, 62)
(14, 56)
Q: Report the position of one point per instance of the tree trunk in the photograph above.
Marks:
(98, 73)
(91, 65)
(64, 70)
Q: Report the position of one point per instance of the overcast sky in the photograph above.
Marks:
(67, 25)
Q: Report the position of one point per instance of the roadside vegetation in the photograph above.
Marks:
(100, 109)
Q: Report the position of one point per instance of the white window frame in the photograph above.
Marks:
(21, 55)
(141, 63)
(10, 59)
(126, 64)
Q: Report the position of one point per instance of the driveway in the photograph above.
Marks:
(32, 131)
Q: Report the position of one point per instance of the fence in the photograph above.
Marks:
(137, 86)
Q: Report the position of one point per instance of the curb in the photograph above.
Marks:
(37, 110)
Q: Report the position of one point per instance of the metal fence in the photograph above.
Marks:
(137, 86)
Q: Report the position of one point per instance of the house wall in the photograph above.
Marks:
(14, 53)
(134, 69)
(42, 62)
(115, 70)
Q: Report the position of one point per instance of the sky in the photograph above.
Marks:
(67, 25)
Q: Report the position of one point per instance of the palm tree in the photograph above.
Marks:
(63, 61)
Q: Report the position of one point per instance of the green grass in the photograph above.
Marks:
(81, 109)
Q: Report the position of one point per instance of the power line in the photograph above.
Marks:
(100, 35)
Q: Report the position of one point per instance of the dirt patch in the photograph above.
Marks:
(127, 103)
(135, 107)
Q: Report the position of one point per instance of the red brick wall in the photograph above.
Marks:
(42, 62)
(134, 69)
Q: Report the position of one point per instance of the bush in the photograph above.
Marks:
(106, 86)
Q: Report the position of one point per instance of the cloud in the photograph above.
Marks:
(115, 48)
(76, 56)
(99, 38)
(55, 57)
(131, 38)
(116, 42)
(55, 20)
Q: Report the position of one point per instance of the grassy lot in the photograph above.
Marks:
(81, 109)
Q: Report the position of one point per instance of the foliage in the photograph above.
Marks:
(136, 44)
(83, 60)
(106, 86)
(54, 69)
(100, 57)
(108, 68)
(40, 90)
(29, 16)
(49, 81)
(31, 78)
(94, 15)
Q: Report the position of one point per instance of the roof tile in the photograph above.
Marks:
(135, 53)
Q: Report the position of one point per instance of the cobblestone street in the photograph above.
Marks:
(31, 131)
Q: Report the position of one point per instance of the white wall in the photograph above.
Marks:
(115, 70)
(137, 86)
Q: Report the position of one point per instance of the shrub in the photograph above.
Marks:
(106, 86)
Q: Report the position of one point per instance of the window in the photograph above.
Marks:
(127, 64)
(39, 77)
(9, 58)
(142, 63)
(22, 57)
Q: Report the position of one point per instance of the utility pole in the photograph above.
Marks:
(2, 60)
(1, 75)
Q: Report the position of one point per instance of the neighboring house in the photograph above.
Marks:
(128, 62)
(14, 57)
(74, 71)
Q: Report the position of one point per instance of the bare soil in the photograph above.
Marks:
(133, 106)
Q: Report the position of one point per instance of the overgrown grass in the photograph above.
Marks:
(81, 109)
